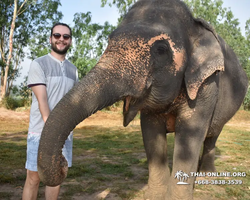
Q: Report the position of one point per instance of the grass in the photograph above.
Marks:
(113, 160)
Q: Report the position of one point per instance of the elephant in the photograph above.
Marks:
(177, 72)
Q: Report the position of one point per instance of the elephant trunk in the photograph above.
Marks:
(94, 92)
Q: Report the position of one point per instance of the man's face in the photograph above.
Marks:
(60, 44)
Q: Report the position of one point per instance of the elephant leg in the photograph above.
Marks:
(191, 129)
(188, 142)
(192, 124)
(155, 143)
(207, 159)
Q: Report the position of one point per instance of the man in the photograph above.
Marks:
(50, 78)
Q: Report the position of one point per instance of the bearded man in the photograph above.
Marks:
(50, 78)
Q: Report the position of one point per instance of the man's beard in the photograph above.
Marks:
(61, 52)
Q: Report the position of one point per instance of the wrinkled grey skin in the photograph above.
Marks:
(177, 72)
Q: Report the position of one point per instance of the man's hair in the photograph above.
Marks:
(60, 24)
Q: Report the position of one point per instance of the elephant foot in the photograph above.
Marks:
(207, 168)
(155, 193)
(179, 192)
(171, 196)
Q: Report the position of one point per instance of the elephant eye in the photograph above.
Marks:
(161, 50)
(162, 53)
(161, 47)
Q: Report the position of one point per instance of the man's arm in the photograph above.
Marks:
(41, 95)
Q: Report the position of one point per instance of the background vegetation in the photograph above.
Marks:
(35, 17)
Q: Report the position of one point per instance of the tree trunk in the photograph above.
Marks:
(3, 88)
(3, 61)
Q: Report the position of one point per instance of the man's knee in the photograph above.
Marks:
(33, 177)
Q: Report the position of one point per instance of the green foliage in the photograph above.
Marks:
(90, 40)
(247, 47)
(122, 5)
(32, 25)
(12, 103)
(112, 107)
(21, 97)
(24, 90)
(24, 93)
(38, 47)
(246, 102)
(211, 11)
(45, 15)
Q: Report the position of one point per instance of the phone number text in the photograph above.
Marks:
(219, 182)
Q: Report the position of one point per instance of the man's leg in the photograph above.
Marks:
(30, 189)
(51, 193)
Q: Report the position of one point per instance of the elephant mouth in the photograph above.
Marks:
(133, 104)
(127, 101)
(130, 109)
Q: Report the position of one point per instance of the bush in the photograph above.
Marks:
(246, 102)
(114, 106)
(27, 102)
(12, 103)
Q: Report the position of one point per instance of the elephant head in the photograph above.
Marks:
(158, 50)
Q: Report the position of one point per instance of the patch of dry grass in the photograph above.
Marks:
(110, 163)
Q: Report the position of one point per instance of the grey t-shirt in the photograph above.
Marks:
(58, 77)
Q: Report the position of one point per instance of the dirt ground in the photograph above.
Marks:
(103, 119)
(11, 114)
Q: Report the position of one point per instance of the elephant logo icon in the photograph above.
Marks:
(182, 177)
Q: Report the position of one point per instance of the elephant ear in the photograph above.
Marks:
(206, 58)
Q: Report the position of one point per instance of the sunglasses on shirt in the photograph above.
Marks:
(58, 36)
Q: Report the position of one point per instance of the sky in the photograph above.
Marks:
(239, 8)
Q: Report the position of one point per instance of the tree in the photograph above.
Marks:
(38, 46)
(15, 13)
(90, 42)
(25, 92)
(122, 5)
(22, 20)
(247, 47)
